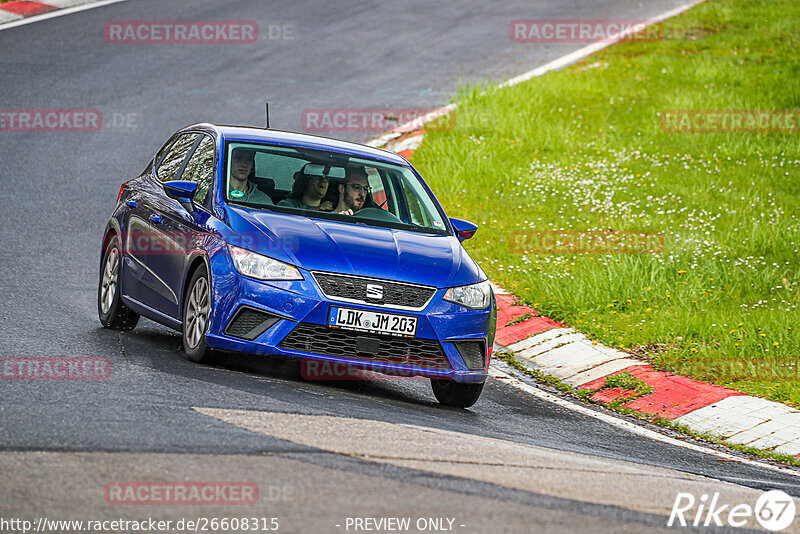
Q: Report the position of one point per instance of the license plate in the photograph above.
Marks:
(370, 321)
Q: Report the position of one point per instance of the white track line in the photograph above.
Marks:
(590, 49)
(556, 64)
(57, 13)
(633, 428)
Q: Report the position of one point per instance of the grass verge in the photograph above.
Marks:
(681, 248)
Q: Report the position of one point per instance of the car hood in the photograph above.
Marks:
(324, 245)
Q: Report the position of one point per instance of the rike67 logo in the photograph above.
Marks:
(774, 511)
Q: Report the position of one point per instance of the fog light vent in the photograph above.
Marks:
(473, 353)
(249, 323)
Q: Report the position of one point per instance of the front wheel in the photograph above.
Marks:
(112, 312)
(457, 394)
(196, 312)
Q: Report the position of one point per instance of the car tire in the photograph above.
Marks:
(456, 394)
(112, 312)
(196, 311)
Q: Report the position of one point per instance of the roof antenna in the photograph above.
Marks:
(267, 126)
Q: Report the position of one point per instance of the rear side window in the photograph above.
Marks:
(171, 164)
(200, 168)
(163, 151)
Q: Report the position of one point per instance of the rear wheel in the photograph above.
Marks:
(196, 311)
(457, 394)
(112, 312)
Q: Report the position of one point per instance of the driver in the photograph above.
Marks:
(241, 173)
(353, 192)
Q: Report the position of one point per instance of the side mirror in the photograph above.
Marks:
(183, 191)
(464, 229)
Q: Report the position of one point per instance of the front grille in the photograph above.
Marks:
(249, 323)
(473, 353)
(394, 294)
(320, 339)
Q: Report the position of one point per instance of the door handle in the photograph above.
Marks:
(155, 217)
(132, 203)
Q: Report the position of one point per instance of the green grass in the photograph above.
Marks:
(713, 292)
(627, 382)
(520, 319)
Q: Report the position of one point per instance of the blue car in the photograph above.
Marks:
(285, 244)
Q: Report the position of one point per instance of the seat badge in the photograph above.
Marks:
(374, 292)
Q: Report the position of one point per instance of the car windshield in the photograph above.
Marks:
(329, 185)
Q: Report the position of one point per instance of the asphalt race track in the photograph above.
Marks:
(319, 453)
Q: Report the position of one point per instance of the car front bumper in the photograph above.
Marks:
(296, 319)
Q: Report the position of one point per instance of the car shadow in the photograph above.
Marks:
(157, 347)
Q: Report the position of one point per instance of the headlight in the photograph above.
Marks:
(257, 266)
(475, 296)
